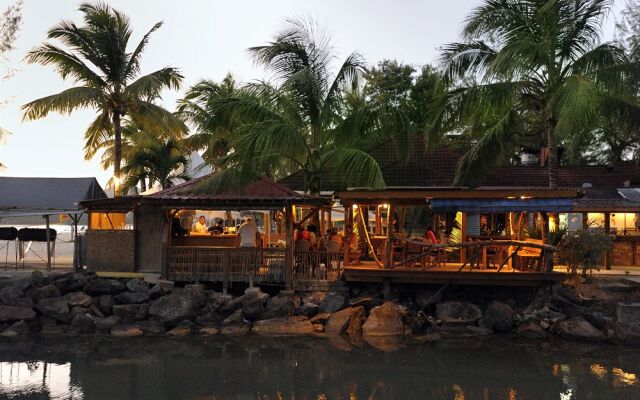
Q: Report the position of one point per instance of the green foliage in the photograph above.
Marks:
(107, 77)
(584, 250)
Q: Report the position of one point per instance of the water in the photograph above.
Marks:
(314, 369)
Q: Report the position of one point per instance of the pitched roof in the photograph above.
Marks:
(46, 196)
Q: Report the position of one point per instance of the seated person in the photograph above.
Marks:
(429, 236)
(201, 225)
(218, 228)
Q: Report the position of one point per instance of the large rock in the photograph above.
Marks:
(45, 292)
(356, 319)
(458, 313)
(71, 282)
(627, 332)
(531, 329)
(235, 324)
(338, 322)
(16, 313)
(179, 331)
(426, 298)
(79, 299)
(253, 307)
(498, 317)
(308, 310)
(136, 285)
(174, 308)
(19, 328)
(14, 296)
(333, 301)
(55, 307)
(105, 324)
(83, 324)
(97, 287)
(628, 313)
(297, 325)
(130, 298)
(126, 331)
(314, 297)
(130, 313)
(367, 302)
(105, 304)
(282, 305)
(384, 320)
(577, 328)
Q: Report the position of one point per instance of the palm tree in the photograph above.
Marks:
(108, 78)
(534, 67)
(297, 123)
(158, 161)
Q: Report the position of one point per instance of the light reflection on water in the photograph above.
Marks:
(311, 369)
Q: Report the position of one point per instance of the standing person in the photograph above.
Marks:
(248, 234)
(218, 228)
(429, 236)
(349, 239)
(201, 225)
(313, 238)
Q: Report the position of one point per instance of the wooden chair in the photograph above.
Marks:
(530, 258)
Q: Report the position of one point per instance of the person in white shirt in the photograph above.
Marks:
(201, 225)
(248, 233)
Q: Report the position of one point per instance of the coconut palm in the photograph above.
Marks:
(162, 161)
(535, 67)
(297, 123)
(107, 77)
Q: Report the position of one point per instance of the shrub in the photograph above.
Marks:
(584, 250)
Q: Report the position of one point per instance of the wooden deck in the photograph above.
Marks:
(370, 272)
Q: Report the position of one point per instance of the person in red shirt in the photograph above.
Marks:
(429, 236)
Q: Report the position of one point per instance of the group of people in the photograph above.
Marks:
(331, 240)
(201, 226)
(248, 232)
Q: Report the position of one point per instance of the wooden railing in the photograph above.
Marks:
(249, 265)
(318, 265)
(527, 255)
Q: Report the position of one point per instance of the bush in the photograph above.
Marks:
(584, 250)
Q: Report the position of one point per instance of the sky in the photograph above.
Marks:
(205, 39)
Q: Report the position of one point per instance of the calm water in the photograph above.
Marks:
(318, 369)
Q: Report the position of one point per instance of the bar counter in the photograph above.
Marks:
(200, 240)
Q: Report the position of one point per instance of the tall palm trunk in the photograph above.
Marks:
(117, 150)
(552, 157)
(143, 185)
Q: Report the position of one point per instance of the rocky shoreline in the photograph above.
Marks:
(83, 304)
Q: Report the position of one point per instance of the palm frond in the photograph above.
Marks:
(64, 102)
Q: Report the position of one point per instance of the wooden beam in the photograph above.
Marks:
(288, 264)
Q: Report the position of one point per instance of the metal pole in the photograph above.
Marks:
(46, 218)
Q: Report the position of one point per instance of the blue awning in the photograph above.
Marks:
(501, 205)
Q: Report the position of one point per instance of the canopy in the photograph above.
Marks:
(46, 196)
(501, 205)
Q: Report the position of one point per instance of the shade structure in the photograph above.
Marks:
(501, 205)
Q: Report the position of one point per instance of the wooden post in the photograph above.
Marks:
(226, 266)
(267, 230)
(48, 236)
(388, 251)
(288, 263)
(607, 229)
(463, 238)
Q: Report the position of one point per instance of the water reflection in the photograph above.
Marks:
(313, 369)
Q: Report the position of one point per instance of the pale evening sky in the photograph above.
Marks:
(205, 39)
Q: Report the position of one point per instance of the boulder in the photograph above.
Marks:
(209, 319)
(561, 304)
(367, 302)
(314, 297)
(356, 319)
(384, 320)
(77, 310)
(236, 317)
(83, 324)
(79, 299)
(209, 331)
(46, 321)
(97, 287)
(295, 325)
(45, 292)
(105, 324)
(130, 313)
(216, 301)
(321, 318)
(136, 285)
(71, 282)
(115, 286)
(130, 298)
(157, 291)
(333, 301)
(418, 322)
(19, 328)
(498, 317)
(478, 330)
(235, 324)
(628, 313)
(93, 310)
(308, 310)
(282, 305)
(549, 315)
(180, 331)
(577, 328)
(253, 307)
(458, 313)
(338, 322)
(14, 296)
(126, 331)
(55, 307)
(174, 308)
(53, 330)
(105, 304)
(152, 327)
(16, 313)
(531, 329)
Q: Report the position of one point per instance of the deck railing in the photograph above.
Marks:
(249, 265)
